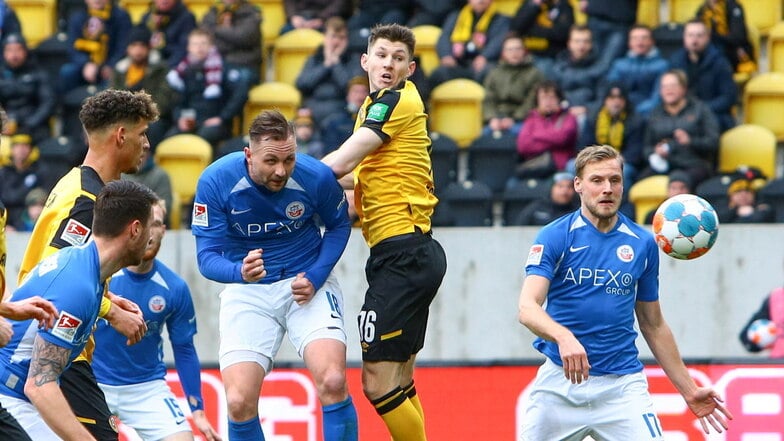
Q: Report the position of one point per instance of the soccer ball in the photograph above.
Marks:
(685, 226)
(762, 332)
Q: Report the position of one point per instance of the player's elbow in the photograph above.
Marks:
(32, 391)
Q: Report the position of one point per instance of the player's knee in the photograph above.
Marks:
(332, 386)
(240, 406)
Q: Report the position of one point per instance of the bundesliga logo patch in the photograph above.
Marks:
(75, 233)
(200, 215)
(66, 327)
(535, 255)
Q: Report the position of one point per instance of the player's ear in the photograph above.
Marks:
(119, 134)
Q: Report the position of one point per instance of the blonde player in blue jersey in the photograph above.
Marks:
(73, 279)
(133, 377)
(597, 270)
(254, 218)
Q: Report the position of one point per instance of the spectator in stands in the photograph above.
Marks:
(26, 92)
(510, 89)
(23, 174)
(156, 179)
(170, 22)
(616, 124)
(561, 200)
(313, 14)
(726, 21)
(547, 139)
(470, 42)
(709, 73)
(9, 22)
(609, 22)
(544, 26)
(34, 205)
(682, 132)
(337, 128)
(743, 206)
(432, 12)
(323, 79)
(212, 93)
(679, 182)
(97, 38)
(578, 70)
(307, 137)
(236, 27)
(136, 72)
(640, 69)
(372, 12)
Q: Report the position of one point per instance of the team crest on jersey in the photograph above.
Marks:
(377, 112)
(535, 255)
(113, 420)
(295, 210)
(66, 327)
(156, 304)
(199, 217)
(625, 253)
(75, 232)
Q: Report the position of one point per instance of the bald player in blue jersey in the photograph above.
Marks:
(254, 218)
(133, 377)
(597, 270)
(73, 279)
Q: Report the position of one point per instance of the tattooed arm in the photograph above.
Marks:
(46, 366)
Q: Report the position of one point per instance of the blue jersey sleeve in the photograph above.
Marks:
(333, 210)
(212, 263)
(188, 368)
(546, 251)
(181, 326)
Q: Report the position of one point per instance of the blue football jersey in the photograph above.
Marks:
(231, 210)
(164, 299)
(595, 280)
(71, 280)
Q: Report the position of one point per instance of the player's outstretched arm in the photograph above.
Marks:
(46, 365)
(704, 402)
(35, 307)
(343, 160)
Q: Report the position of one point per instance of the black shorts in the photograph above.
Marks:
(403, 276)
(10, 430)
(87, 401)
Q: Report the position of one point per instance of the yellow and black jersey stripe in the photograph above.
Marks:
(394, 183)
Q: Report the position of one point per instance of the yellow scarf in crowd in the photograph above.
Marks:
(543, 19)
(95, 39)
(464, 26)
(609, 131)
(715, 17)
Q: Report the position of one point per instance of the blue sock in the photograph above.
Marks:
(246, 430)
(340, 421)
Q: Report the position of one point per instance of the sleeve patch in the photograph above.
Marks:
(535, 255)
(377, 112)
(75, 232)
(200, 218)
(66, 327)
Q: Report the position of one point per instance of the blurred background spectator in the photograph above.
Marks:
(154, 177)
(432, 12)
(609, 22)
(678, 182)
(337, 127)
(544, 26)
(313, 14)
(22, 175)
(726, 21)
(561, 200)
(743, 206)
(34, 205)
(236, 29)
(307, 137)
(170, 23)
(9, 22)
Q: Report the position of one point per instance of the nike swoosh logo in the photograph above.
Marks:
(575, 249)
(235, 211)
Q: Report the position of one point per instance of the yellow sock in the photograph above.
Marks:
(411, 393)
(400, 416)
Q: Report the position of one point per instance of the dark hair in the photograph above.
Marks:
(393, 32)
(336, 24)
(642, 26)
(270, 124)
(118, 204)
(549, 86)
(112, 106)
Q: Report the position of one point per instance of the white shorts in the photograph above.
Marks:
(28, 417)
(605, 407)
(150, 408)
(254, 318)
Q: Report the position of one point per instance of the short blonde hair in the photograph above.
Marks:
(595, 153)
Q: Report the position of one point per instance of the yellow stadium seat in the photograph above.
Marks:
(175, 213)
(38, 19)
(748, 144)
(508, 7)
(682, 11)
(5, 150)
(199, 7)
(647, 194)
(579, 16)
(272, 95)
(648, 12)
(776, 48)
(426, 40)
(135, 8)
(184, 157)
(290, 52)
(273, 18)
(763, 14)
(456, 110)
(763, 100)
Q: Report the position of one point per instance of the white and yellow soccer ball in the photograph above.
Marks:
(685, 226)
